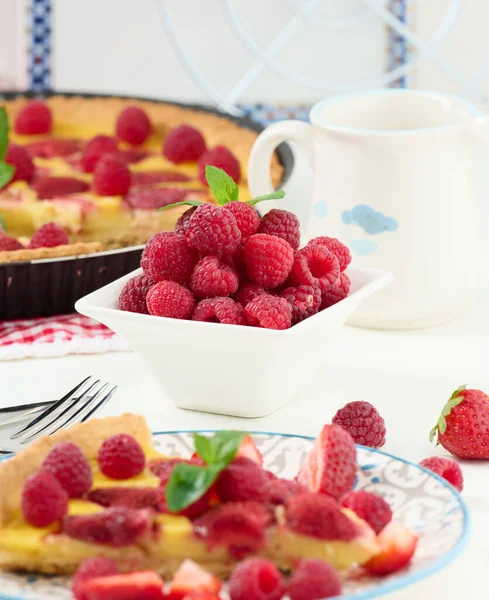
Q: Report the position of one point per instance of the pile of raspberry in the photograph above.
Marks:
(225, 264)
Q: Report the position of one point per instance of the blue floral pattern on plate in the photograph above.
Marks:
(371, 221)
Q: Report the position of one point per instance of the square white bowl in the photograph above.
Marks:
(230, 369)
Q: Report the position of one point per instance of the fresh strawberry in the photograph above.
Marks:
(330, 467)
(150, 178)
(203, 596)
(154, 198)
(131, 155)
(142, 585)
(249, 449)
(463, 426)
(52, 147)
(190, 579)
(130, 497)
(397, 546)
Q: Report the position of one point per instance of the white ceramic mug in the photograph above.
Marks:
(392, 178)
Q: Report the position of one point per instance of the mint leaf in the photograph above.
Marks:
(3, 132)
(223, 187)
(187, 484)
(278, 195)
(2, 224)
(226, 444)
(6, 173)
(205, 448)
(184, 203)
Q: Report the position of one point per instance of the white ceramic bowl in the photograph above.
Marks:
(228, 369)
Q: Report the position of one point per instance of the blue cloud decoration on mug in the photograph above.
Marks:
(370, 220)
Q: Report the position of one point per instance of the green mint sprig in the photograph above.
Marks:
(6, 171)
(188, 483)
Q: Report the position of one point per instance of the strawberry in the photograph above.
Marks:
(142, 585)
(150, 178)
(330, 467)
(463, 426)
(191, 580)
(397, 546)
(249, 449)
(52, 147)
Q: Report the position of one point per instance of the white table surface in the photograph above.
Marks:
(407, 375)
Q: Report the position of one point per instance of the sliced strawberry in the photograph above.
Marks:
(148, 178)
(134, 156)
(330, 467)
(190, 579)
(397, 544)
(249, 449)
(130, 497)
(204, 596)
(163, 467)
(52, 147)
(154, 198)
(53, 187)
(142, 585)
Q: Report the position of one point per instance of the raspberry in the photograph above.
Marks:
(363, 422)
(280, 490)
(341, 251)
(237, 261)
(95, 149)
(246, 217)
(256, 579)
(121, 457)
(49, 235)
(305, 301)
(248, 292)
(170, 299)
(18, 157)
(168, 257)
(269, 312)
(34, 118)
(151, 178)
(213, 230)
(282, 224)
(129, 497)
(8, 243)
(111, 177)
(446, 468)
(319, 516)
(133, 295)
(240, 527)
(242, 480)
(183, 221)
(48, 188)
(371, 508)
(52, 147)
(314, 579)
(116, 527)
(268, 259)
(184, 144)
(211, 278)
(155, 198)
(70, 467)
(336, 292)
(91, 568)
(222, 158)
(133, 125)
(317, 266)
(219, 310)
(44, 501)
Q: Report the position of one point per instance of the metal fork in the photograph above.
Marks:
(77, 406)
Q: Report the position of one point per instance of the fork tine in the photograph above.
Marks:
(50, 410)
(78, 415)
(100, 405)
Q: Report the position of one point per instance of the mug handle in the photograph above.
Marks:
(259, 179)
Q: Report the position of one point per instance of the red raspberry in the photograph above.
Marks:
(270, 312)
(239, 527)
(222, 158)
(49, 235)
(312, 579)
(183, 221)
(237, 261)
(167, 257)
(336, 292)
(170, 299)
(155, 198)
(70, 467)
(283, 224)
(256, 579)
(246, 217)
(133, 125)
(317, 266)
(133, 295)
(44, 501)
(34, 118)
(95, 149)
(211, 278)
(248, 292)
(129, 497)
(305, 301)
(48, 188)
(184, 144)
(219, 310)
(213, 230)
(52, 147)
(371, 508)
(111, 176)
(243, 479)
(363, 422)
(268, 259)
(18, 157)
(116, 527)
(8, 243)
(280, 490)
(446, 468)
(98, 566)
(341, 251)
(319, 516)
(121, 457)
